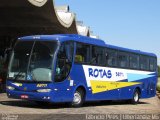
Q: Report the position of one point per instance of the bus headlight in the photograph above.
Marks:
(44, 90)
(10, 88)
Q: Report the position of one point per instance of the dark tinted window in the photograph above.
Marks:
(134, 61)
(64, 61)
(40, 67)
(82, 53)
(97, 55)
(152, 64)
(111, 57)
(123, 60)
(42, 55)
(144, 62)
(20, 56)
(32, 60)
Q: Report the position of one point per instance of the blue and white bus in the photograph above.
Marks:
(76, 69)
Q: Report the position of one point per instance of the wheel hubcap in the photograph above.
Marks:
(136, 97)
(77, 98)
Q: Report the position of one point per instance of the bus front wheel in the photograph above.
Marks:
(136, 97)
(78, 98)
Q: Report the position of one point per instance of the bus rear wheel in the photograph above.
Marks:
(78, 98)
(136, 97)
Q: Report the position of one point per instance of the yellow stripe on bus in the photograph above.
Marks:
(102, 86)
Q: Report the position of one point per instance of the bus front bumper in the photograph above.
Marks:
(35, 96)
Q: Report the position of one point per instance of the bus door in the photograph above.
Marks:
(62, 70)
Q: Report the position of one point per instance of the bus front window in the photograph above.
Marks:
(64, 61)
(19, 60)
(32, 61)
(40, 66)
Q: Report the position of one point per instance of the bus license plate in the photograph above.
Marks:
(24, 96)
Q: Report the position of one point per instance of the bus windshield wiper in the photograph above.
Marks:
(19, 74)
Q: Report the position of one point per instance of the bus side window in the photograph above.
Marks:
(82, 53)
(123, 59)
(144, 63)
(111, 58)
(97, 55)
(78, 58)
(64, 61)
(134, 61)
(152, 64)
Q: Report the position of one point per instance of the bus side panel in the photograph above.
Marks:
(79, 80)
(107, 95)
(78, 77)
(127, 92)
(62, 92)
(149, 87)
(146, 83)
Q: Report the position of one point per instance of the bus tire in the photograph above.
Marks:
(136, 97)
(78, 98)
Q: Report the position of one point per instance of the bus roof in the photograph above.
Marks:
(83, 39)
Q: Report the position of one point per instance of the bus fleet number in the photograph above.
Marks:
(119, 74)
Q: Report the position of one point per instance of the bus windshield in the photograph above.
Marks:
(32, 61)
